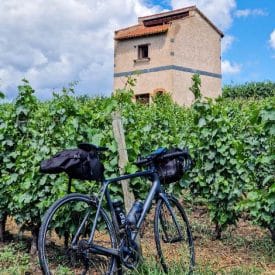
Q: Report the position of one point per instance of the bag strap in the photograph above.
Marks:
(90, 162)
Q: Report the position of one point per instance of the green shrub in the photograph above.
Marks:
(259, 200)
(221, 135)
(219, 175)
(250, 89)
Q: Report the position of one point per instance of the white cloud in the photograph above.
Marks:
(52, 43)
(272, 39)
(248, 12)
(219, 11)
(227, 42)
(230, 68)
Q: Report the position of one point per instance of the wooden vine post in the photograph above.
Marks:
(122, 159)
(128, 195)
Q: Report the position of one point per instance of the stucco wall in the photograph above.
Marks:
(189, 43)
(182, 82)
(196, 44)
(149, 82)
(126, 51)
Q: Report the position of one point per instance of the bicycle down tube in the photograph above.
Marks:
(105, 192)
(154, 190)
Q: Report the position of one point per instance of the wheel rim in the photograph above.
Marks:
(175, 249)
(60, 256)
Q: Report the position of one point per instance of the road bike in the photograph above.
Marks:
(84, 234)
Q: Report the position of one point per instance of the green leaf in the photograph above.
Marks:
(253, 195)
(268, 178)
(202, 122)
(208, 166)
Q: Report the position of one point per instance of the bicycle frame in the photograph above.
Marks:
(155, 192)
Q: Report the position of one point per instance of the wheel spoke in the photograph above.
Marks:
(72, 220)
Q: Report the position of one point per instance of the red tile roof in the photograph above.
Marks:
(140, 30)
(158, 23)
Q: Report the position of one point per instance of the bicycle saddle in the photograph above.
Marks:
(91, 147)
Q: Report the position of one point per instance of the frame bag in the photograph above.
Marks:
(77, 163)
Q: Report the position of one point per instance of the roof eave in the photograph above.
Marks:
(140, 35)
(162, 14)
(174, 12)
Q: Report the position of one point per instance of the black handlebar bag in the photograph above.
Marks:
(170, 169)
(77, 163)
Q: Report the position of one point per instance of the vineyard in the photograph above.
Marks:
(231, 139)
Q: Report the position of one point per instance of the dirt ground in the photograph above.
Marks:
(245, 246)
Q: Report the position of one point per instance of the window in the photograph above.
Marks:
(159, 93)
(143, 98)
(143, 51)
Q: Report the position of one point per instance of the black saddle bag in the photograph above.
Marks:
(77, 163)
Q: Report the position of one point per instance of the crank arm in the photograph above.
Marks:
(172, 240)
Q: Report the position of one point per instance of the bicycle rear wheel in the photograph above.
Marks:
(173, 237)
(57, 253)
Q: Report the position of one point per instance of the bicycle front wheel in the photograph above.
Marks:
(63, 238)
(173, 237)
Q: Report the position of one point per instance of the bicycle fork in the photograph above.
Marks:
(165, 224)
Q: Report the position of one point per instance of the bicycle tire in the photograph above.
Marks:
(174, 252)
(58, 229)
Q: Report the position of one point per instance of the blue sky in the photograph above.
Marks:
(251, 47)
(55, 42)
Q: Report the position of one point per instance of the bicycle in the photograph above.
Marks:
(77, 236)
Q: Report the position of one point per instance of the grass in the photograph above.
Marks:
(152, 268)
(12, 261)
(15, 260)
(245, 249)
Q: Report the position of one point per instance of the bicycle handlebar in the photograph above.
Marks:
(142, 161)
(154, 157)
(175, 154)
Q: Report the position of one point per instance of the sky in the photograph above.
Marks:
(56, 42)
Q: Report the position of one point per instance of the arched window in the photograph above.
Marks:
(159, 93)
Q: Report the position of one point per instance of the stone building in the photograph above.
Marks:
(164, 50)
